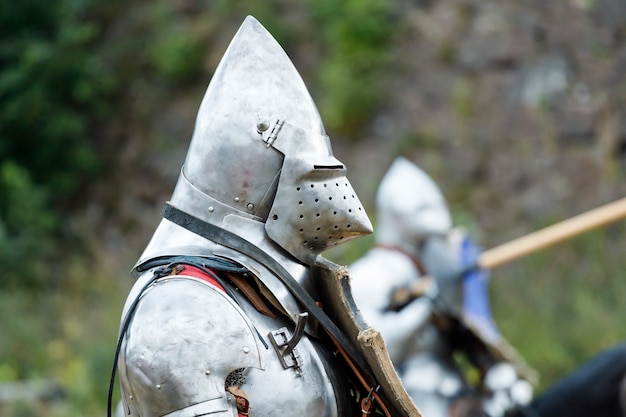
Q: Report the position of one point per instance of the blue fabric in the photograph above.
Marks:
(475, 291)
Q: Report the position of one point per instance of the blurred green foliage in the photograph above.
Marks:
(53, 91)
(176, 54)
(560, 305)
(65, 337)
(26, 226)
(357, 38)
(51, 88)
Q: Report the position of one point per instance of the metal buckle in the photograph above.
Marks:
(285, 344)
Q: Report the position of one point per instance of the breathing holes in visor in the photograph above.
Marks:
(321, 213)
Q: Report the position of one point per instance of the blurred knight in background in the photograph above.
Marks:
(412, 287)
(419, 286)
(224, 317)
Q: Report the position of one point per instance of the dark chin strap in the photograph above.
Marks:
(235, 242)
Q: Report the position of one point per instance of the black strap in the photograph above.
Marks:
(201, 262)
(131, 310)
(233, 241)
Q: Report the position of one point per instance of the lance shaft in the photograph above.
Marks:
(552, 235)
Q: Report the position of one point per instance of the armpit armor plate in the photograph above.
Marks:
(185, 339)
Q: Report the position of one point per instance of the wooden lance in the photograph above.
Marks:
(525, 245)
(552, 235)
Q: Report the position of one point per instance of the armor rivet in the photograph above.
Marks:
(236, 199)
(250, 206)
(246, 350)
(262, 126)
(158, 386)
(211, 209)
(207, 372)
(130, 397)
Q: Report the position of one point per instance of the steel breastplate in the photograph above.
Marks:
(187, 338)
(307, 382)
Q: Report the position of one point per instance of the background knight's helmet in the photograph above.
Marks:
(409, 206)
(259, 150)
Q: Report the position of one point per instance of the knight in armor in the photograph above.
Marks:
(419, 286)
(224, 318)
(416, 287)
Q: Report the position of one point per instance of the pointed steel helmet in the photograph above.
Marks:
(410, 206)
(259, 150)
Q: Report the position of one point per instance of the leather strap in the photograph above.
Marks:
(251, 294)
(367, 403)
(235, 242)
(419, 265)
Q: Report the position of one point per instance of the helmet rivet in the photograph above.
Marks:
(207, 372)
(130, 397)
(158, 386)
(236, 199)
(250, 206)
(246, 350)
(262, 126)
(211, 209)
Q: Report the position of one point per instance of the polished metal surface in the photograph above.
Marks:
(169, 361)
(260, 166)
(259, 146)
(187, 337)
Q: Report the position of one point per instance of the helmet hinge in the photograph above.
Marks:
(271, 138)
